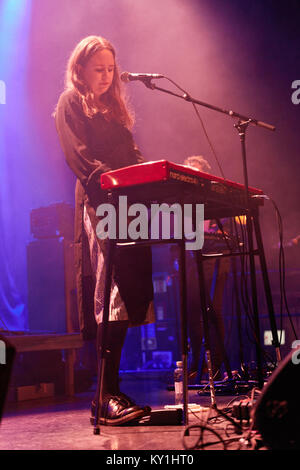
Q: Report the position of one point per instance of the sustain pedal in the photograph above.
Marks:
(163, 418)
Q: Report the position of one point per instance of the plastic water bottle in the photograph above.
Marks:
(178, 383)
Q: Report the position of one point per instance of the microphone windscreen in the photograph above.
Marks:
(124, 77)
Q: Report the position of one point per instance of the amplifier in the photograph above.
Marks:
(56, 220)
(52, 304)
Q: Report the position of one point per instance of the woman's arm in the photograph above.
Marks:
(71, 127)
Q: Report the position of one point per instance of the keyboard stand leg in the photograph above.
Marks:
(239, 318)
(254, 300)
(267, 288)
(183, 324)
(203, 303)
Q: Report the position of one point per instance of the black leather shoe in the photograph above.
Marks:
(117, 410)
(130, 402)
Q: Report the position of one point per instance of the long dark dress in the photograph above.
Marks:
(93, 146)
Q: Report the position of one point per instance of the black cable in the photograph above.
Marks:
(200, 444)
(203, 126)
(202, 428)
(243, 282)
(282, 269)
(208, 139)
(244, 291)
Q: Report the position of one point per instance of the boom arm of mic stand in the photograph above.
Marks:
(230, 113)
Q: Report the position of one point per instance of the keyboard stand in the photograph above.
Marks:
(252, 221)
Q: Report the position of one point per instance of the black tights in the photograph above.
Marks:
(114, 341)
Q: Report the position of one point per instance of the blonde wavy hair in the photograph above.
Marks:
(114, 105)
(197, 161)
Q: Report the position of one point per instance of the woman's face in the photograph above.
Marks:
(98, 72)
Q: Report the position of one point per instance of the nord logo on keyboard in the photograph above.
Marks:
(182, 177)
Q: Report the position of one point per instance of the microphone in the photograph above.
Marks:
(129, 77)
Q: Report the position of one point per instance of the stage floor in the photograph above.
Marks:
(63, 424)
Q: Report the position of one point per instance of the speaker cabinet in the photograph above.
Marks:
(276, 414)
(51, 286)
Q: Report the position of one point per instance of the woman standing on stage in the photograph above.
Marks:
(93, 124)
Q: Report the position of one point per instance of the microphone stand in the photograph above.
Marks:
(241, 126)
(147, 82)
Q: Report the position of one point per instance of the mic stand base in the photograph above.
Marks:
(228, 387)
